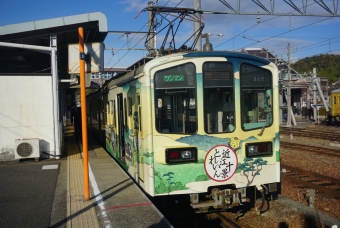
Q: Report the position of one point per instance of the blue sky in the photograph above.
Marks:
(307, 35)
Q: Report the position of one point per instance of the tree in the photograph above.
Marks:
(250, 168)
(326, 66)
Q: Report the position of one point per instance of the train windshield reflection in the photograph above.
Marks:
(175, 94)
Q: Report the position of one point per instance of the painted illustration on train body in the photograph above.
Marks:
(221, 163)
(221, 157)
(231, 165)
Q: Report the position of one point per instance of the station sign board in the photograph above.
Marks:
(94, 58)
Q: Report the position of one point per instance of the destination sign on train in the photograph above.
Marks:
(217, 75)
(174, 78)
(251, 79)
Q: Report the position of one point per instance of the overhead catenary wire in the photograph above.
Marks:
(311, 46)
(326, 41)
(290, 30)
(128, 51)
(285, 32)
(125, 45)
(115, 40)
(246, 31)
(132, 38)
(297, 59)
(257, 24)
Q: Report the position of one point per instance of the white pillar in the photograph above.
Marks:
(55, 81)
(314, 94)
(197, 25)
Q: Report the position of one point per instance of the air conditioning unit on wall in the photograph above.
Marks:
(27, 148)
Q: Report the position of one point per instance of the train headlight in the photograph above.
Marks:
(259, 149)
(252, 149)
(180, 155)
(186, 154)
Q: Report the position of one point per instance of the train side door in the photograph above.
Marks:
(121, 140)
(137, 128)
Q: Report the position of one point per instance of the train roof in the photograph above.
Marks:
(227, 54)
(335, 91)
(149, 62)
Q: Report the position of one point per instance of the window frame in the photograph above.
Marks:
(161, 88)
(257, 124)
(214, 82)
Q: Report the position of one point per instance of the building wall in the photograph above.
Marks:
(26, 111)
(302, 93)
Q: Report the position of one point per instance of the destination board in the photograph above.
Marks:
(253, 79)
(217, 75)
(174, 78)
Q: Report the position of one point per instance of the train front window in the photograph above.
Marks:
(256, 97)
(175, 99)
(219, 106)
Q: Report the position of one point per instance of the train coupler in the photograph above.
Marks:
(219, 199)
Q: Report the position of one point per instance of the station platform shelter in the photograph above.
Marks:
(33, 68)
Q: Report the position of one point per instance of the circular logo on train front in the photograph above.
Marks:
(220, 163)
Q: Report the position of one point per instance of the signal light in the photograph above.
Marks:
(180, 155)
(259, 149)
(174, 155)
(262, 148)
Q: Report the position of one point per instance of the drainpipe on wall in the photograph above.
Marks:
(54, 70)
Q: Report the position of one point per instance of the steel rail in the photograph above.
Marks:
(288, 176)
(226, 222)
(311, 149)
(311, 134)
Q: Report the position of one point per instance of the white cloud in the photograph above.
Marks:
(134, 5)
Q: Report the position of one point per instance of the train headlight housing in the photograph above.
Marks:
(252, 149)
(180, 155)
(259, 149)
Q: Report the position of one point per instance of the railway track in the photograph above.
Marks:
(311, 149)
(325, 184)
(181, 216)
(316, 133)
(224, 221)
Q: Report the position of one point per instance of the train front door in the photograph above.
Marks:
(121, 127)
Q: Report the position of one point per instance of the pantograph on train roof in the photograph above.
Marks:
(168, 20)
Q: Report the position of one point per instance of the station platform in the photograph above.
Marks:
(115, 200)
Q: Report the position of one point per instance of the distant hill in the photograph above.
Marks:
(326, 65)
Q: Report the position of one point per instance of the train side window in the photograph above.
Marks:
(114, 113)
(139, 113)
(334, 99)
(103, 114)
(218, 93)
(125, 113)
(256, 97)
(175, 99)
(140, 117)
(108, 112)
(130, 106)
(111, 113)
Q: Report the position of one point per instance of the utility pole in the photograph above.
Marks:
(314, 96)
(289, 105)
(151, 24)
(197, 24)
(83, 113)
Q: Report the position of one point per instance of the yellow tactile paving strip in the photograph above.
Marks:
(80, 213)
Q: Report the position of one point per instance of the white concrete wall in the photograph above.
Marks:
(26, 111)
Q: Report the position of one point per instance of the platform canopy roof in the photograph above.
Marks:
(19, 61)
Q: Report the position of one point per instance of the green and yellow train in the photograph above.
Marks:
(194, 123)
